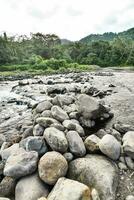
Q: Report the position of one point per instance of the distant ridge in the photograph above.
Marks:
(108, 36)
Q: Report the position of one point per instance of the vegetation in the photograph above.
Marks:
(50, 53)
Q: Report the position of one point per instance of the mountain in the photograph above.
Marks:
(109, 36)
(65, 41)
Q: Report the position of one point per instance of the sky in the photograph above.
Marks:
(70, 19)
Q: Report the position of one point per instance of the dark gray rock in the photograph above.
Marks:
(76, 145)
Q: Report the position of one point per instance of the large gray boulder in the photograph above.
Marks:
(59, 114)
(34, 143)
(51, 167)
(110, 146)
(128, 144)
(45, 105)
(30, 188)
(98, 172)
(66, 189)
(21, 164)
(56, 139)
(89, 107)
(46, 121)
(76, 145)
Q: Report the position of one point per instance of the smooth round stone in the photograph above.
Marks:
(51, 167)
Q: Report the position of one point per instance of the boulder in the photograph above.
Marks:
(110, 146)
(38, 130)
(89, 107)
(46, 113)
(5, 153)
(66, 189)
(34, 143)
(97, 172)
(123, 128)
(21, 164)
(7, 186)
(128, 144)
(71, 125)
(30, 188)
(51, 167)
(45, 121)
(76, 145)
(68, 156)
(92, 143)
(59, 114)
(62, 100)
(45, 105)
(56, 139)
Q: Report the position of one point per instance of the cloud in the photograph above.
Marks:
(71, 19)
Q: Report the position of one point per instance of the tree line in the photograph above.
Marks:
(40, 49)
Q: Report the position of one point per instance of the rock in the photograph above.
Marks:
(71, 125)
(58, 126)
(76, 144)
(89, 108)
(68, 156)
(42, 198)
(59, 114)
(63, 100)
(101, 133)
(129, 162)
(110, 147)
(95, 195)
(2, 198)
(51, 90)
(56, 139)
(51, 167)
(7, 186)
(5, 153)
(30, 188)
(46, 113)
(38, 130)
(128, 144)
(28, 132)
(2, 164)
(73, 115)
(46, 121)
(92, 143)
(114, 133)
(123, 128)
(130, 197)
(97, 172)
(2, 139)
(122, 166)
(35, 143)
(21, 164)
(66, 189)
(70, 108)
(45, 105)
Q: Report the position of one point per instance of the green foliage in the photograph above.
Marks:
(48, 52)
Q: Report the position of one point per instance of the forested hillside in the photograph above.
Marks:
(39, 51)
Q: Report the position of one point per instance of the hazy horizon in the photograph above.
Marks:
(69, 19)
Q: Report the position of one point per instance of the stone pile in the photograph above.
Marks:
(66, 155)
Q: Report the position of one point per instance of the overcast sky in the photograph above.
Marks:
(71, 19)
